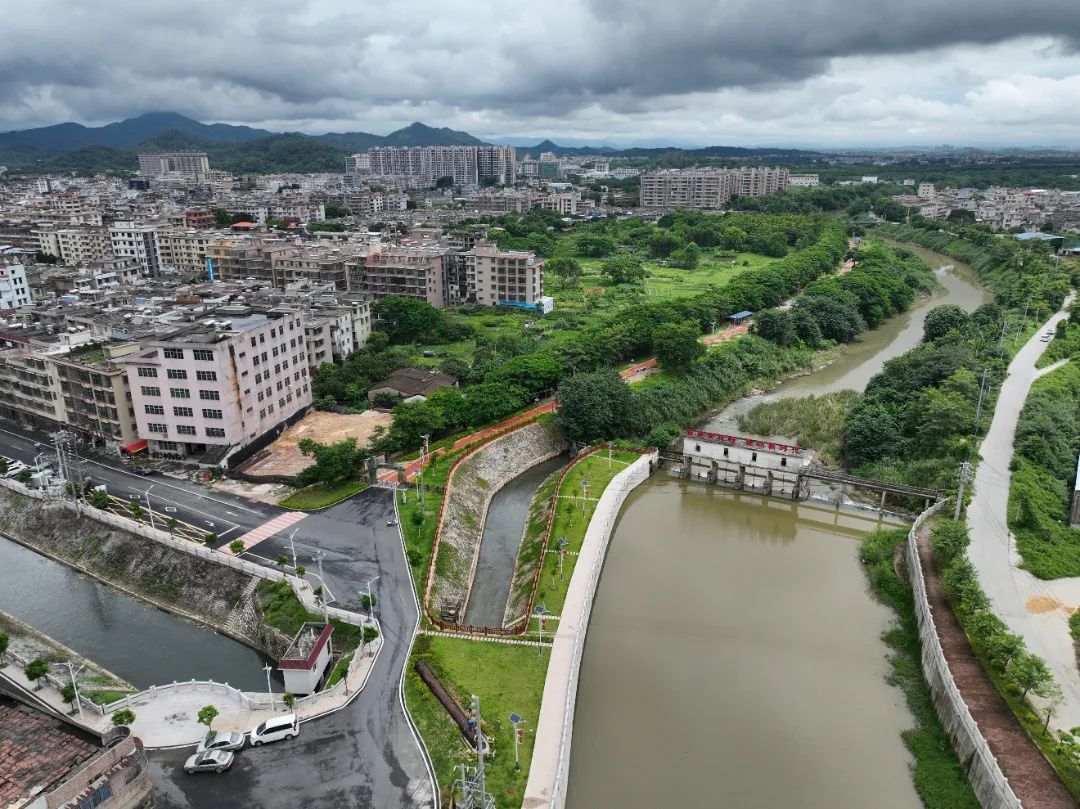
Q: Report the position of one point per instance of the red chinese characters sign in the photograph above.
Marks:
(741, 441)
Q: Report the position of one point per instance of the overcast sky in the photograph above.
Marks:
(747, 72)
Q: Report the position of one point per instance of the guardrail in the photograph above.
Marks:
(984, 773)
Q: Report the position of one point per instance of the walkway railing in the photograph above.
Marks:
(989, 783)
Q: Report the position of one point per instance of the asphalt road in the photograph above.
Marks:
(220, 512)
(1034, 609)
(365, 755)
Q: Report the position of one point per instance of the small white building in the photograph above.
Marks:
(14, 291)
(307, 657)
(744, 450)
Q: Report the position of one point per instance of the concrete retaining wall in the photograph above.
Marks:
(989, 783)
(550, 769)
(475, 480)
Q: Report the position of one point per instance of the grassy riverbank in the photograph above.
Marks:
(939, 776)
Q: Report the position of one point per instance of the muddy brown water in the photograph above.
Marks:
(734, 656)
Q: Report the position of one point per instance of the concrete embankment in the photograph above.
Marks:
(550, 768)
(196, 588)
(472, 484)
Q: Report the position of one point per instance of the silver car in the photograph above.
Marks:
(211, 760)
(216, 740)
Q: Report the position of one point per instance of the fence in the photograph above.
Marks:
(987, 780)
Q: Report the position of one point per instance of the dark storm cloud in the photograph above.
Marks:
(280, 61)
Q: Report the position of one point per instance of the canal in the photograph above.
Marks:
(144, 645)
(734, 655)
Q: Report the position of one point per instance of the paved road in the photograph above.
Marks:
(228, 515)
(1037, 610)
(365, 755)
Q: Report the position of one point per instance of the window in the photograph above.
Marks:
(184, 412)
(262, 414)
(155, 410)
(753, 456)
(157, 428)
(204, 356)
(177, 373)
(258, 379)
(215, 432)
(169, 446)
(783, 461)
(279, 384)
(284, 364)
(185, 429)
(95, 798)
(264, 356)
(275, 351)
(262, 338)
(261, 396)
(180, 393)
(253, 343)
(150, 372)
(173, 353)
(211, 414)
(206, 376)
(255, 361)
(273, 333)
(269, 392)
(147, 391)
(269, 408)
(209, 395)
(281, 402)
(277, 368)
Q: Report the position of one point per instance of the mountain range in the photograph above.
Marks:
(73, 147)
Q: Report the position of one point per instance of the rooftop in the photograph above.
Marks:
(306, 646)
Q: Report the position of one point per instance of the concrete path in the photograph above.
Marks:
(1035, 609)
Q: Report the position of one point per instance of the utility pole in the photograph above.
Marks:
(423, 463)
(319, 556)
(292, 545)
(270, 694)
(965, 470)
(72, 671)
(982, 392)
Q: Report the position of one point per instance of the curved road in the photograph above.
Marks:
(1035, 609)
(366, 755)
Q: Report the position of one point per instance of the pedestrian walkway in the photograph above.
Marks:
(267, 530)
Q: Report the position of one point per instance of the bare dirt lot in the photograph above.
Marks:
(283, 457)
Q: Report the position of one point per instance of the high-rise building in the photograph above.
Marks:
(195, 165)
(709, 188)
(504, 276)
(465, 165)
(14, 291)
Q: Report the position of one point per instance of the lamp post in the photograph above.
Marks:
(540, 611)
(370, 599)
(72, 671)
(270, 694)
(149, 510)
(423, 462)
(516, 721)
(562, 543)
(318, 557)
(610, 445)
(584, 494)
(292, 545)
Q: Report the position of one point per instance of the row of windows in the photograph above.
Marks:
(187, 429)
(179, 373)
(202, 355)
(182, 393)
(183, 412)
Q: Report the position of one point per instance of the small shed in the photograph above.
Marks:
(741, 317)
(307, 657)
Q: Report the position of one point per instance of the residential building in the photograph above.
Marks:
(709, 188)
(207, 389)
(184, 250)
(137, 241)
(190, 164)
(359, 163)
(14, 291)
(802, 180)
(465, 165)
(408, 271)
(926, 190)
(504, 276)
(47, 763)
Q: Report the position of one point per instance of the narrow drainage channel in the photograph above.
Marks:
(144, 645)
(499, 546)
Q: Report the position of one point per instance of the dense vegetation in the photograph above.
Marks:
(1047, 444)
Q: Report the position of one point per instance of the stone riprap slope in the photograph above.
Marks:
(469, 491)
(197, 588)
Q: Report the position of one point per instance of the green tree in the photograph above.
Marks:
(35, 670)
(776, 326)
(281, 561)
(67, 693)
(4, 641)
(289, 699)
(136, 511)
(171, 524)
(123, 716)
(1030, 674)
(592, 246)
(567, 269)
(625, 269)
(663, 243)
(300, 571)
(237, 547)
(412, 421)
(677, 345)
(210, 539)
(942, 319)
(408, 320)
(334, 211)
(595, 405)
(687, 257)
(734, 239)
(333, 462)
(99, 499)
(870, 433)
(207, 715)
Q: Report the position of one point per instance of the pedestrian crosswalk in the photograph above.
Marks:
(267, 530)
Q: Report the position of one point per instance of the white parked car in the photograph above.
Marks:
(275, 729)
(216, 740)
(210, 761)
(14, 468)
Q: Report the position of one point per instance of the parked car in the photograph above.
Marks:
(15, 468)
(391, 522)
(275, 729)
(145, 471)
(216, 740)
(216, 760)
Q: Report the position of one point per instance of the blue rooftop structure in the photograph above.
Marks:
(741, 316)
(1036, 234)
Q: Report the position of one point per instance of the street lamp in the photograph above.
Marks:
(540, 611)
(318, 557)
(293, 546)
(584, 494)
(423, 461)
(562, 543)
(370, 599)
(516, 721)
(72, 671)
(149, 510)
(270, 694)
(610, 445)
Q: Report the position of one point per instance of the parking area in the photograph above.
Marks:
(283, 457)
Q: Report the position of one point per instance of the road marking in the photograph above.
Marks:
(170, 509)
(268, 529)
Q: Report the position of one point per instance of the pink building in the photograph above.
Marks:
(214, 387)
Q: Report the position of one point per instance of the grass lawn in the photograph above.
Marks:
(281, 609)
(506, 678)
(321, 495)
(103, 697)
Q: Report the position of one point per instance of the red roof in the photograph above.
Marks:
(306, 663)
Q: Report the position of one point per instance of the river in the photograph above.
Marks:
(734, 656)
(144, 645)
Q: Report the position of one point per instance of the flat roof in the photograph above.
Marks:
(306, 646)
